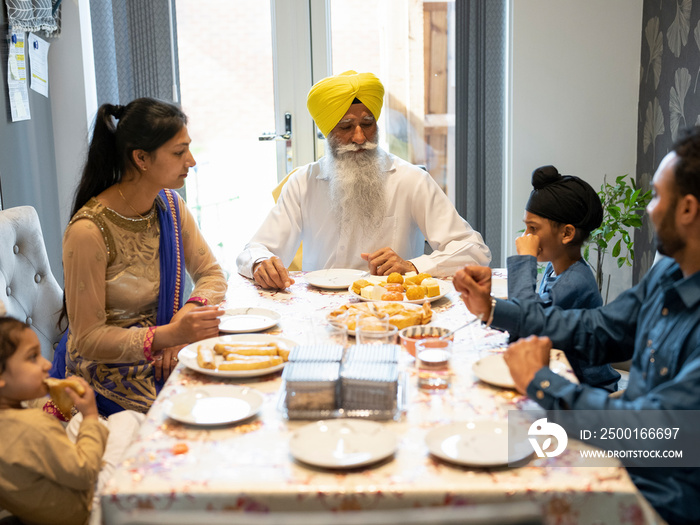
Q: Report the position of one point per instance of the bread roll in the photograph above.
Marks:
(246, 348)
(250, 350)
(57, 391)
(205, 357)
(251, 363)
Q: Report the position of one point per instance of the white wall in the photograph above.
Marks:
(73, 96)
(574, 96)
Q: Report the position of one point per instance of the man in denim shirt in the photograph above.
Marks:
(656, 323)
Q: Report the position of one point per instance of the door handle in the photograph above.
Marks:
(273, 135)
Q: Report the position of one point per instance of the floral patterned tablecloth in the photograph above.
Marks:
(247, 467)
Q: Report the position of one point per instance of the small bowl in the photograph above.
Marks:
(411, 334)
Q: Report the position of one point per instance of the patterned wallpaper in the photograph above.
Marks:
(669, 95)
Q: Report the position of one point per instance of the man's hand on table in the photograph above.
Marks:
(271, 273)
(525, 357)
(386, 261)
(474, 285)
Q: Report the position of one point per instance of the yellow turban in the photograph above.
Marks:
(330, 98)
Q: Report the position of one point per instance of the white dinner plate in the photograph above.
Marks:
(188, 355)
(244, 320)
(342, 443)
(214, 405)
(445, 287)
(479, 443)
(335, 278)
(493, 370)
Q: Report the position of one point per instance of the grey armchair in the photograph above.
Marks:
(28, 289)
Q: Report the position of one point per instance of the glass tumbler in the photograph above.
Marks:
(433, 362)
(374, 330)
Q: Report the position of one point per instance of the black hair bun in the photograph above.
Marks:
(543, 176)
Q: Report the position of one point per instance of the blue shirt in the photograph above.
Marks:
(575, 287)
(657, 325)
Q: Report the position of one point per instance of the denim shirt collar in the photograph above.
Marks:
(687, 288)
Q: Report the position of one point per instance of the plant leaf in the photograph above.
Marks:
(620, 262)
(616, 248)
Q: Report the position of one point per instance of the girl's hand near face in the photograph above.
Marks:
(528, 244)
(84, 403)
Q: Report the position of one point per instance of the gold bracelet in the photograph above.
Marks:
(493, 308)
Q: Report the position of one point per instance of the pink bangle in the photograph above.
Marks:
(50, 408)
(148, 343)
(201, 300)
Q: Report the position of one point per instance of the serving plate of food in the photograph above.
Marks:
(409, 288)
(239, 355)
(400, 314)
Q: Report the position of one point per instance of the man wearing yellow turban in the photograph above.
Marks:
(359, 206)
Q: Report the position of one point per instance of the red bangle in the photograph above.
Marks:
(201, 300)
(148, 343)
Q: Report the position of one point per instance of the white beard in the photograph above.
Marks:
(357, 192)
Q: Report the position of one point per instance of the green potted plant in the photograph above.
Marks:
(622, 203)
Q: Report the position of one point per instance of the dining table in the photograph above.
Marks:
(247, 467)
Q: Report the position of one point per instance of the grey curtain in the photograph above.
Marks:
(669, 96)
(134, 50)
(480, 112)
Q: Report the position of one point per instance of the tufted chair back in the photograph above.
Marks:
(28, 289)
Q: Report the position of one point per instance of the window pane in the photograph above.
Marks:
(226, 83)
(409, 45)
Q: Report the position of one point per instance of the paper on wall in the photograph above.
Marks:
(39, 64)
(17, 78)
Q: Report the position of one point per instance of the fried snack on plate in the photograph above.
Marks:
(414, 293)
(250, 362)
(400, 314)
(395, 288)
(358, 285)
(57, 391)
(392, 296)
(432, 286)
(246, 348)
(395, 277)
(205, 357)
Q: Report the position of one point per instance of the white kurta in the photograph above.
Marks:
(417, 210)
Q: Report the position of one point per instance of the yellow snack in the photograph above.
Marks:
(358, 285)
(415, 292)
(205, 357)
(251, 364)
(392, 296)
(401, 314)
(395, 287)
(422, 276)
(57, 391)
(413, 280)
(395, 277)
(432, 286)
(283, 353)
(246, 348)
